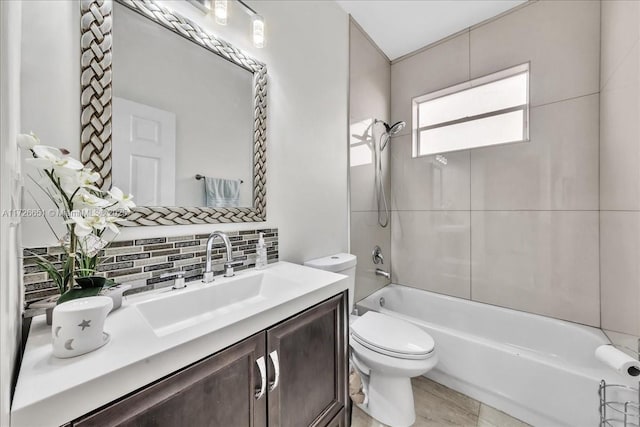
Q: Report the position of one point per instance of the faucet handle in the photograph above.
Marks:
(228, 267)
(179, 282)
(376, 255)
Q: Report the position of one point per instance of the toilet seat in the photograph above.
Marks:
(391, 336)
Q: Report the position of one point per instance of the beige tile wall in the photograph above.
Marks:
(369, 97)
(365, 234)
(620, 166)
(443, 65)
(560, 38)
(544, 262)
(441, 187)
(443, 262)
(513, 225)
(556, 170)
(620, 259)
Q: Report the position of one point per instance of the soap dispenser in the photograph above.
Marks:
(261, 253)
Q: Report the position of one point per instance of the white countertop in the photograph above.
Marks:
(52, 392)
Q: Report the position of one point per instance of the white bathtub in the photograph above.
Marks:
(540, 370)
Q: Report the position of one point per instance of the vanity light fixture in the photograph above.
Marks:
(257, 24)
(220, 11)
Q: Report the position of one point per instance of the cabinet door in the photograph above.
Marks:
(219, 391)
(307, 366)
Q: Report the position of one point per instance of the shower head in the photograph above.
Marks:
(389, 131)
(395, 128)
(392, 129)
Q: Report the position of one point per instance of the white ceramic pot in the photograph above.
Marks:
(78, 326)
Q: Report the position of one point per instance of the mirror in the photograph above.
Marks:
(188, 116)
(178, 112)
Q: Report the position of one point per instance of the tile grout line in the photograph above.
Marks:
(470, 207)
(617, 66)
(470, 234)
(600, 176)
(571, 98)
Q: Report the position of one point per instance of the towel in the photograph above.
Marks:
(221, 193)
(356, 389)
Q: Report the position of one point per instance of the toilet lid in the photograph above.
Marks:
(379, 331)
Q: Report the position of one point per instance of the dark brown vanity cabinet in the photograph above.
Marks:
(216, 391)
(311, 355)
(291, 375)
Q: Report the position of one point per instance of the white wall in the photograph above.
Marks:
(49, 100)
(307, 61)
(513, 225)
(10, 280)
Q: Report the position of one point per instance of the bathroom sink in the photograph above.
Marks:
(199, 302)
(226, 300)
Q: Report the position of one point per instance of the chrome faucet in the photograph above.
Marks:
(380, 272)
(207, 276)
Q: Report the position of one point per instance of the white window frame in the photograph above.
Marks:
(480, 81)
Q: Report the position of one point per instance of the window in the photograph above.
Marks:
(486, 111)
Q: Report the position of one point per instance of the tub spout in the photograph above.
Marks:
(381, 272)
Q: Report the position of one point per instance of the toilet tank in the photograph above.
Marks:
(342, 264)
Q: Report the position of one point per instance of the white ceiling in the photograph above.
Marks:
(401, 26)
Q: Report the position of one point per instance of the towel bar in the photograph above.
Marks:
(198, 177)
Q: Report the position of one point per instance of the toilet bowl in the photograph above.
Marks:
(387, 352)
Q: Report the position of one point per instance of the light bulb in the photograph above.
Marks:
(220, 10)
(258, 31)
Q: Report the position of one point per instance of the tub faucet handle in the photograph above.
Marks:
(376, 255)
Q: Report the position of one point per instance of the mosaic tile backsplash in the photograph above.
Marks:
(145, 260)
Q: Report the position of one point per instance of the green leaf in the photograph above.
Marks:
(48, 267)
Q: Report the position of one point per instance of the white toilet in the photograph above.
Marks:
(386, 350)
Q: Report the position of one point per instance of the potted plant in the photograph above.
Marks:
(87, 213)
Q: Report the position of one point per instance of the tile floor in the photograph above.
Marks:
(437, 405)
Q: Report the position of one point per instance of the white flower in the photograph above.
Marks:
(84, 178)
(111, 223)
(27, 140)
(121, 200)
(87, 200)
(51, 157)
(85, 225)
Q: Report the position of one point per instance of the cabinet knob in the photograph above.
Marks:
(276, 368)
(263, 378)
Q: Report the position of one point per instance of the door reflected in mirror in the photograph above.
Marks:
(179, 111)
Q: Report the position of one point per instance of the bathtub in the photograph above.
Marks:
(535, 368)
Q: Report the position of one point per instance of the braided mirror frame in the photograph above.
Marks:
(96, 80)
